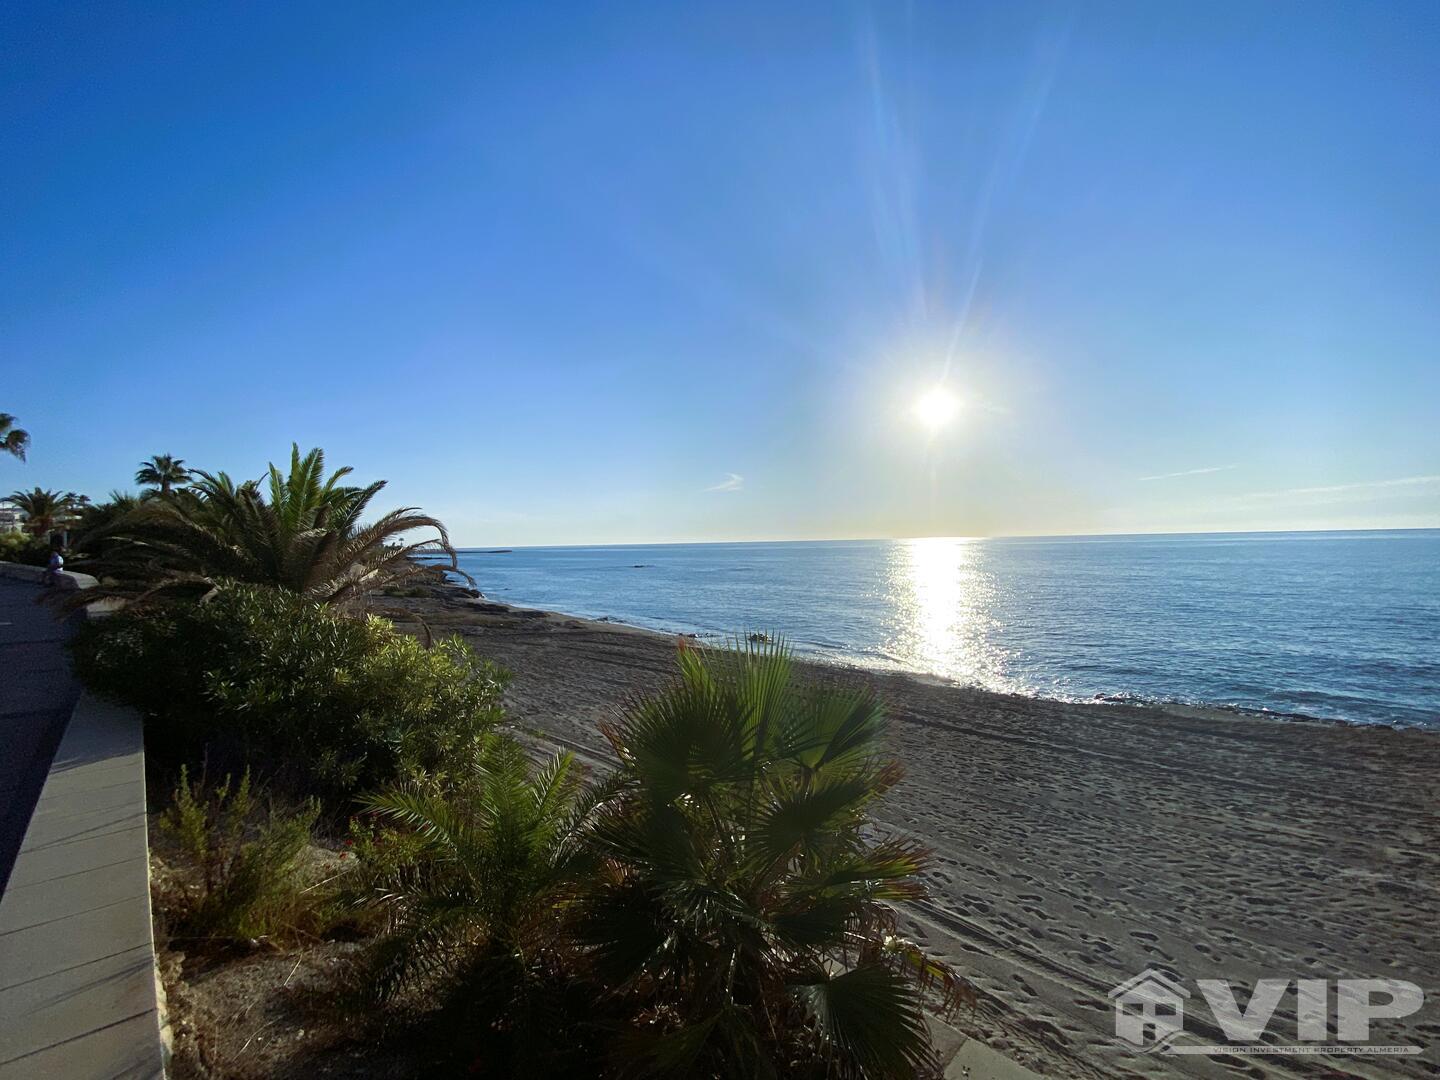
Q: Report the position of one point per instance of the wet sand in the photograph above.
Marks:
(1075, 845)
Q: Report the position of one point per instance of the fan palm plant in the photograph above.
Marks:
(472, 876)
(13, 440)
(743, 908)
(301, 531)
(164, 472)
(44, 511)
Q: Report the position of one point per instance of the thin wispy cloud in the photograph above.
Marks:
(732, 482)
(1189, 472)
(1337, 492)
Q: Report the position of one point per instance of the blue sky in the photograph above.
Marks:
(628, 272)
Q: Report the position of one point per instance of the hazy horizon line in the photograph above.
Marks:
(946, 536)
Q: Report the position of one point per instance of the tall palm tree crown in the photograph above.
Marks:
(44, 510)
(13, 440)
(300, 531)
(164, 472)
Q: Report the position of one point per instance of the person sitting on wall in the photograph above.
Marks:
(55, 565)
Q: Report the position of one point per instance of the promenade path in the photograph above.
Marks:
(78, 993)
(37, 695)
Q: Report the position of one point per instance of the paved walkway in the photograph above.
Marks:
(78, 995)
(37, 693)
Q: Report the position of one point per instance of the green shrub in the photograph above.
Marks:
(315, 702)
(239, 874)
(19, 547)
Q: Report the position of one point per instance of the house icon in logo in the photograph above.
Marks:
(1149, 1009)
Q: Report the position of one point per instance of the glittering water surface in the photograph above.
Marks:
(1335, 625)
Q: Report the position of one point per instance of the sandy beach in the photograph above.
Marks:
(1075, 845)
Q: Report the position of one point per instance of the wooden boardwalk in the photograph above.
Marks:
(78, 994)
(37, 693)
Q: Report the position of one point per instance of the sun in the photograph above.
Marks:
(935, 408)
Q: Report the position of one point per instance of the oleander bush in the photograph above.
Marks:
(315, 702)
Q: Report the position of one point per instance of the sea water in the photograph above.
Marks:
(1342, 625)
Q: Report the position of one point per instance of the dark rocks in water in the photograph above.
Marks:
(499, 551)
(640, 566)
(759, 638)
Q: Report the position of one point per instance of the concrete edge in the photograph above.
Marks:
(78, 978)
(66, 579)
(963, 1058)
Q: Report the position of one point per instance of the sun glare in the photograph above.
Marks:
(935, 408)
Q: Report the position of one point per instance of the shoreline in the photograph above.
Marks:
(1077, 844)
(810, 656)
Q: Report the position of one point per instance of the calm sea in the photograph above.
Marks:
(1333, 625)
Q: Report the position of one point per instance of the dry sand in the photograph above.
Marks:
(1076, 845)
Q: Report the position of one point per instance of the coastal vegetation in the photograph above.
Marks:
(717, 905)
(740, 902)
(21, 547)
(316, 702)
(243, 881)
(474, 879)
(162, 472)
(13, 440)
(45, 511)
(301, 531)
(716, 895)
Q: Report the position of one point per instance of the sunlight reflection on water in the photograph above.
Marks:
(943, 618)
(1326, 624)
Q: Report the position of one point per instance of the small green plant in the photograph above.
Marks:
(241, 862)
(472, 876)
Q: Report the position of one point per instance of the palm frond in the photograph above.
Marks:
(301, 532)
(872, 1016)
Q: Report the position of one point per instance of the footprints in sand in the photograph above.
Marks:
(1075, 847)
(1041, 914)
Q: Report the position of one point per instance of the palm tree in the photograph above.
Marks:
(303, 533)
(743, 908)
(95, 522)
(164, 472)
(44, 511)
(473, 891)
(13, 440)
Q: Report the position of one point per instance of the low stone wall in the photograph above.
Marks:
(66, 579)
